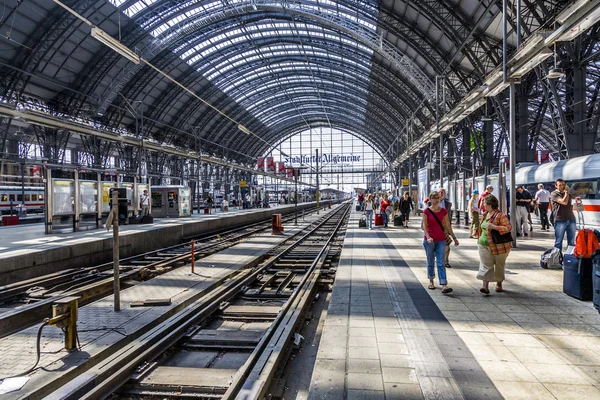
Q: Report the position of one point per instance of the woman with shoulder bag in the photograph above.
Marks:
(435, 226)
(369, 206)
(494, 244)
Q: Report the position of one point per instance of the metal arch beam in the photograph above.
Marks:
(353, 29)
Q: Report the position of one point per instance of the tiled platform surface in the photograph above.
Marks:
(100, 327)
(26, 252)
(386, 336)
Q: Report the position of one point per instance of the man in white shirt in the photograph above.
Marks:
(542, 197)
(144, 204)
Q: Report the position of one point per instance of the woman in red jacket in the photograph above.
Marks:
(384, 204)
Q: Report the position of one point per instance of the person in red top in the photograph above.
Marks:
(435, 224)
(384, 204)
(361, 201)
(488, 190)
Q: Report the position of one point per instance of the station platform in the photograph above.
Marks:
(386, 336)
(106, 335)
(26, 252)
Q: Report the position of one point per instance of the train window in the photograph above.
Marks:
(34, 197)
(11, 197)
(19, 197)
(4, 197)
(27, 197)
(41, 197)
(585, 190)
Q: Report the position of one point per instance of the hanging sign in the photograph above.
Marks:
(270, 164)
(280, 168)
(260, 163)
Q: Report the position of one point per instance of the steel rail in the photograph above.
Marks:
(109, 378)
(22, 317)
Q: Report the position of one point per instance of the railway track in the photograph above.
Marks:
(33, 298)
(229, 343)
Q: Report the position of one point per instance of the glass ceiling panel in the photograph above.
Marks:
(216, 69)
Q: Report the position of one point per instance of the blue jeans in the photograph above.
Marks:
(385, 219)
(560, 227)
(362, 205)
(436, 250)
(369, 219)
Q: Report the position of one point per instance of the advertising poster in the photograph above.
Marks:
(280, 168)
(270, 164)
(423, 187)
(260, 163)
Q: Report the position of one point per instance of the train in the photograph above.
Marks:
(34, 198)
(582, 174)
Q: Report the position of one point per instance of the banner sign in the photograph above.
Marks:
(270, 164)
(35, 171)
(260, 163)
(290, 172)
(280, 168)
(325, 158)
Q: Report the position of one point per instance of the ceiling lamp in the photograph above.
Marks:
(555, 72)
(114, 44)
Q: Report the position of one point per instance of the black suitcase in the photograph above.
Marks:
(147, 219)
(398, 220)
(596, 279)
(134, 220)
(577, 277)
(362, 222)
(358, 207)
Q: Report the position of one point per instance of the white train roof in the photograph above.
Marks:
(586, 167)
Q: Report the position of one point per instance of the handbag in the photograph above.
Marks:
(500, 238)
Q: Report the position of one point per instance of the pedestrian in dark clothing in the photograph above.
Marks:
(406, 206)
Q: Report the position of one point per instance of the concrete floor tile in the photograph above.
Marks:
(396, 361)
(562, 341)
(361, 323)
(579, 329)
(370, 353)
(483, 307)
(461, 326)
(524, 391)
(492, 353)
(591, 373)
(439, 388)
(432, 369)
(403, 391)
(537, 355)
(364, 381)
(328, 380)
(460, 316)
(389, 337)
(542, 329)
(354, 331)
(480, 338)
(400, 375)
(496, 317)
(507, 371)
(332, 352)
(573, 392)
(362, 341)
(504, 327)
(454, 307)
(518, 339)
(579, 356)
(564, 374)
(366, 395)
(565, 319)
(526, 318)
(362, 366)
(393, 348)
(513, 308)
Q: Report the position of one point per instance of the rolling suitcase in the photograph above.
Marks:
(147, 219)
(596, 279)
(378, 219)
(362, 222)
(358, 207)
(577, 277)
(398, 220)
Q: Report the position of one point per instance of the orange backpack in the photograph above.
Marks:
(586, 243)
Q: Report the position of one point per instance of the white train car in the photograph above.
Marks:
(582, 175)
(33, 198)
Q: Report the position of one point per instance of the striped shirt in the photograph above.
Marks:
(504, 226)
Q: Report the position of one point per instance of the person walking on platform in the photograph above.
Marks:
(406, 206)
(488, 190)
(436, 227)
(562, 211)
(542, 196)
(523, 204)
(144, 204)
(369, 207)
(209, 203)
(444, 203)
(385, 203)
(492, 256)
(361, 201)
(474, 211)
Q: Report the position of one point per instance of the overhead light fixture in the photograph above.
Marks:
(114, 44)
(499, 88)
(244, 129)
(555, 72)
(589, 18)
(570, 10)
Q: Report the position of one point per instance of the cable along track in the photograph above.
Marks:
(230, 343)
(92, 283)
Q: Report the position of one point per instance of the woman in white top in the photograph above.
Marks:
(369, 207)
(474, 210)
